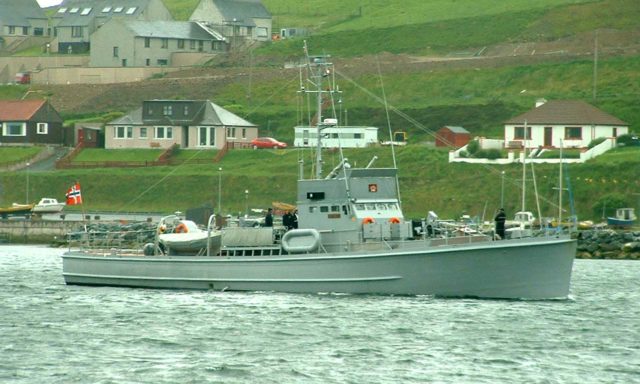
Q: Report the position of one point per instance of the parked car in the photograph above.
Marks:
(267, 142)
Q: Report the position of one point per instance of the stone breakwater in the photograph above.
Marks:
(608, 244)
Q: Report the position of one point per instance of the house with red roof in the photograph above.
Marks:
(29, 122)
(561, 123)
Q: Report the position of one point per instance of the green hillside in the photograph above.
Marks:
(427, 180)
(440, 62)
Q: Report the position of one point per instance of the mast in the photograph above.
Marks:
(320, 71)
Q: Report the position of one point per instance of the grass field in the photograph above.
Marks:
(12, 155)
(427, 180)
(102, 155)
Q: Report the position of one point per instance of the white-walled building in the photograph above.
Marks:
(336, 136)
(566, 123)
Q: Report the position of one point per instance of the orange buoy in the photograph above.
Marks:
(394, 220)
(368, 220)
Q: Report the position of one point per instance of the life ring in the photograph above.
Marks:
(394, 220)
(368, 220)
(162, 229)
(181, 228)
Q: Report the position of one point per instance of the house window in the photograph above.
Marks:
(147, 42)
(74, 10)
(124, 62)
(148, 62)
(192, 44)
(215, 45)
(163, 133)
(186, 110)
(200, 45)
(38, 31)
(118, 9)
(262, 32)
(357, 135)
(85, 11)
(12, 30)
(76, 31)
(43, 128)
(167, 110)
(180, 44)
(131, 10)
(244, 133)
(143, 132)
(25, 31)
(14, 129)
(518, 133)
(165, 43)
(614, 132)
(62, 10)
(207, 136)
(163, 61)
(106, 9)
(573, 133)
(231, 133)
(124, 132)
(115, 51)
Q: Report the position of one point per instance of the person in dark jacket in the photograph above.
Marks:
(268, 219)
(294, 219)
(287, 220)
(500, 220)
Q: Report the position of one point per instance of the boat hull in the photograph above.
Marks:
(612, 221)
(513, 269)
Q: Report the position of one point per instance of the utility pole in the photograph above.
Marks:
(595, 67)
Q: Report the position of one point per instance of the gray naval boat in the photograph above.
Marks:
(352, 238)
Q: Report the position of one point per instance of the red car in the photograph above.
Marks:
(267, 142)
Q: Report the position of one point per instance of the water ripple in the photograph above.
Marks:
(53, 333)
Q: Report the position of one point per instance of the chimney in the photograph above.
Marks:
(540, 102)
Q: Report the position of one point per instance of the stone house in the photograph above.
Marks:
(19, 21)
(29, 122)
(561, 123)
(122, 43)
(76, 20)
(192, 124)
(237, 20)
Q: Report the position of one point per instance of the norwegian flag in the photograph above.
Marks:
(73, 195)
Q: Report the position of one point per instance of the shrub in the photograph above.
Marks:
(473, 147)
(607, 205)
(629, 140)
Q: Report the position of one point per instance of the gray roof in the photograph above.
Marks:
(456, 129)
(18, 12)
(214, 115)
(569, 112)
(171, 29)
(242, 10)
(88, 10)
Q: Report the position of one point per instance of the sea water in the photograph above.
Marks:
(53, 333)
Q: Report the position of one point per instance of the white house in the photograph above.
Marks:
(336, 136)
(235, 19)
(566, 123)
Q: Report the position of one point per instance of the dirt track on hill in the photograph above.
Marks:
(204, 83)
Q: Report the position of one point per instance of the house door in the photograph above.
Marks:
(185, 137)
(548, 139)
(80, 136)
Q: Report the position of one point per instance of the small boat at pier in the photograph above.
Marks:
(16, 210)
(625, 217)
(48, 205)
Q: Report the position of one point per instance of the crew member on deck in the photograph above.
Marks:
(268, 219)
(500, 220)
